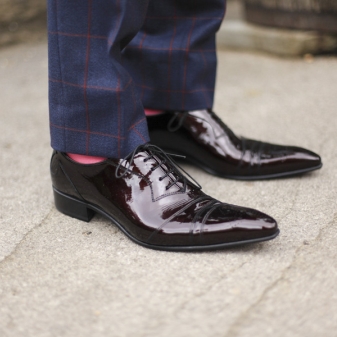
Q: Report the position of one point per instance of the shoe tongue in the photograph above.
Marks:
(151, 161)
(153, 173)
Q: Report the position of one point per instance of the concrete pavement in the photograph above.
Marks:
(63, 277)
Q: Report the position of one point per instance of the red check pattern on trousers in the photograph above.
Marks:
(109, 58)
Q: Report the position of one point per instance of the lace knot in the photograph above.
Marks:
(172, 169)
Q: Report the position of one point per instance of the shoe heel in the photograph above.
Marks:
(72, 207)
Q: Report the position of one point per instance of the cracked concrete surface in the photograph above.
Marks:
(63, 277)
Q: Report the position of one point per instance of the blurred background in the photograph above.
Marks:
(282, 27)
(22, 20)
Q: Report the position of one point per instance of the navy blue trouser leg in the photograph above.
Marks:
(94, 105)
(173, 57)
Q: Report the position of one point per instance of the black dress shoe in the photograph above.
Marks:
(208, 143)
(153, 203)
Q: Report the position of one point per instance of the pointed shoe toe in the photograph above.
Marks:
(306, 160)
(246, 225)
(267, 161)
(150, 199)
(208, 143)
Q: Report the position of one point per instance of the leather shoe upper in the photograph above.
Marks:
(206, 141)
(154, 203)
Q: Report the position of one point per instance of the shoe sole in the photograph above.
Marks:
(83, 211)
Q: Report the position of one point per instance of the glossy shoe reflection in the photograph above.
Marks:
(208, 143)
(153, 203)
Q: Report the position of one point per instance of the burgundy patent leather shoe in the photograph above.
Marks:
(153, 203)
(208, 143)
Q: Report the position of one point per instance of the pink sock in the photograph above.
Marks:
(152, 112)
(82, 159)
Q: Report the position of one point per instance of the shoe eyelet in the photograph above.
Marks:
(145, 160)
(160, 179)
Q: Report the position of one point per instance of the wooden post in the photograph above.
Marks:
(320, 15)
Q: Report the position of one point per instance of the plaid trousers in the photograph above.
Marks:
(110, 58)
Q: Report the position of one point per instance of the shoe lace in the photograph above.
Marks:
(176, 173)
(171, 168)
(176, 123)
